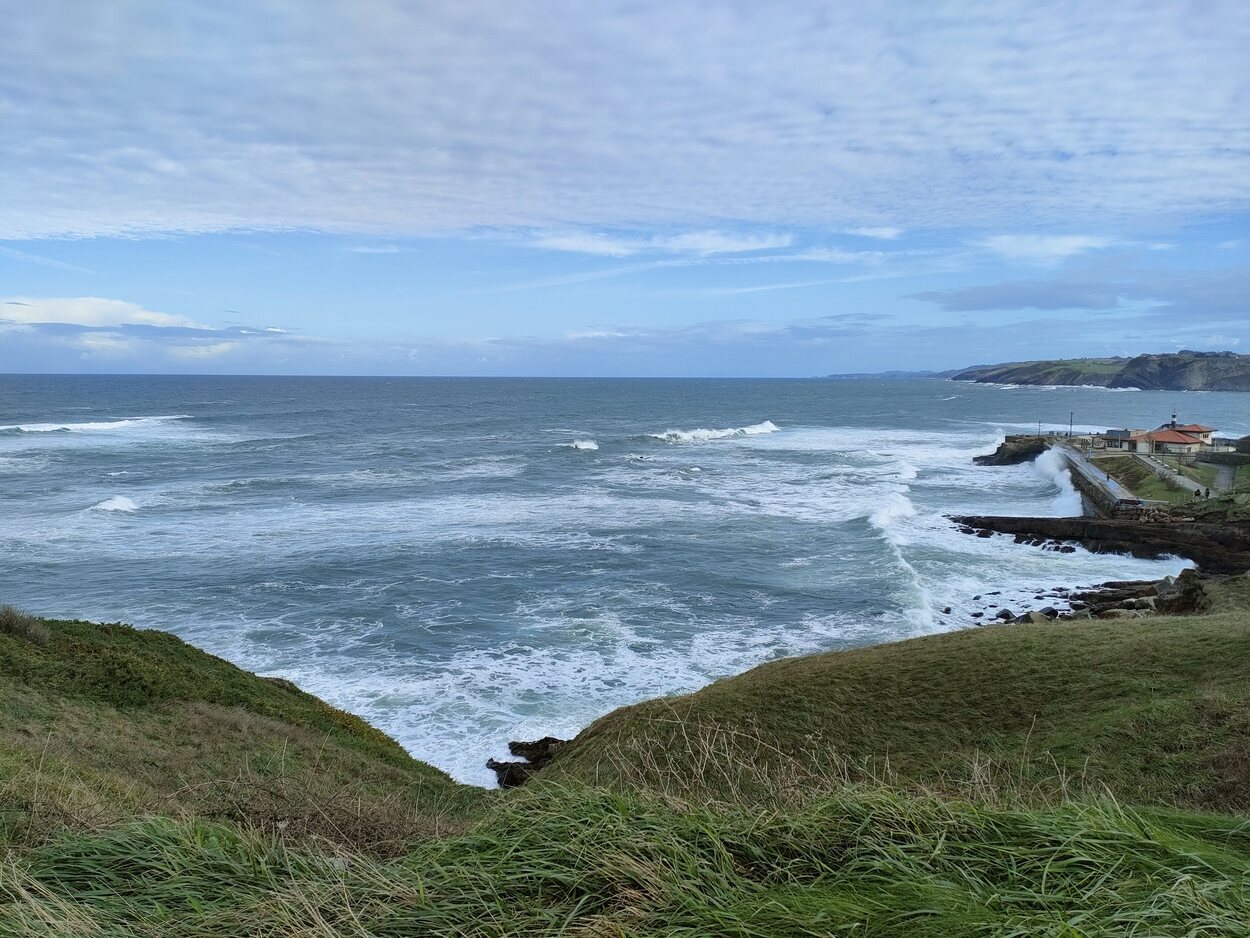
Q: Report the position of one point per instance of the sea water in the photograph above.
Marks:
(468, 561)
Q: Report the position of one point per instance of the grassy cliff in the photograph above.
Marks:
(103, 723)
(1064, 779)
(1178, 371)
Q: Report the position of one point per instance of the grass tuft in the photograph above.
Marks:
(23, 625)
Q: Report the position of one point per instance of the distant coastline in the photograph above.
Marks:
(1179, 371)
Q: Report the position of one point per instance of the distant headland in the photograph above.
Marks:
(1178, 371)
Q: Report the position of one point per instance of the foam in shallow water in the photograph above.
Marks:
(428, 555)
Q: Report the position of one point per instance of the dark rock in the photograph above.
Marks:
(1184, 594)
(511, 774)
(1004, 614)
(946, 610)
(1012, 452)
(538, 754)
(539, 751)
(977, 615)
(1222, 548)
(985, 532)
(1050, 612)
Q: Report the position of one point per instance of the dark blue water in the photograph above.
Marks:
(468, 561)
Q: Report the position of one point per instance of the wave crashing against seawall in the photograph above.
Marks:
(702, 435)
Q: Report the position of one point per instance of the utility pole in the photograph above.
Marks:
(1071, 414)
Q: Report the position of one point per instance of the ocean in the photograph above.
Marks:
(467, 561)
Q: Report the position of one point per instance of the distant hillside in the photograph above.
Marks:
(1180, 371)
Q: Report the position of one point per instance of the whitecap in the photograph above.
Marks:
(92, 426)
(116, 503)
(703, 435)
(583, 444)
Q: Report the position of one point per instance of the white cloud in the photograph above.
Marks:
(389, 117)
(702, 243)
(201, 352)
(885, 233)
(104, 345)
(374, 249)
(86, 311)
(1043, 249)
(42, 261)
(789, 285)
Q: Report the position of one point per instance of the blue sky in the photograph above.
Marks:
(679, 188)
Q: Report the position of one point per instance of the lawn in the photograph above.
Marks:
(1137, 477)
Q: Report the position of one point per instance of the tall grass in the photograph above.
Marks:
(23, 625)
(556, 860)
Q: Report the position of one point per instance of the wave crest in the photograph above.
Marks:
(702, 435)
(116, 503)
(583, 444)
(91, 426)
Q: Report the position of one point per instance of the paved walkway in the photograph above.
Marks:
(1170, 475)
(1097, 476)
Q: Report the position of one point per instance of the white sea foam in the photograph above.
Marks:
(583, 444)
(702, 435)
(93, 426)
(1052, 467)
(116, 503)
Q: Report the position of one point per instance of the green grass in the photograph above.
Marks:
(571, 861)
(1155, 711)
(1137, 477)
(1241, 482)
(1203, 474)
(105, 722)
(971, 783)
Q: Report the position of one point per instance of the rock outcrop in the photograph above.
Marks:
(537, 755)
(1013, 450)
(1216, 548)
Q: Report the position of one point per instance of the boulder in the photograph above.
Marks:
(536, 753)
(1184, 594)
(1004, 614)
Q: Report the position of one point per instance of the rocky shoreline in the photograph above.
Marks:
(1217, 548)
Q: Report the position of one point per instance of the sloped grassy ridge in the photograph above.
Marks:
(1021, 780)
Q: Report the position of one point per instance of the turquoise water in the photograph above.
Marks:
(465, 562)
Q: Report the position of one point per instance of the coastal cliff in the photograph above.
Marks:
(1180, 371)
(150, 789)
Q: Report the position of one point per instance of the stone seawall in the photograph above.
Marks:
(1097, 499)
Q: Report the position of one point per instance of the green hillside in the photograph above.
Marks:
(1178, 371)
(1156, 711)
(1071, 779)
(102, 723)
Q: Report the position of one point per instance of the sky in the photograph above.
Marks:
(618, 188)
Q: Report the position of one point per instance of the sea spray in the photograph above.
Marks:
(1052, 467)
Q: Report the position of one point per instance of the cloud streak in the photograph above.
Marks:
(384, 117)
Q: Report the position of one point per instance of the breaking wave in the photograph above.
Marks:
(116, 503)
(101, 425)
(702, 435)
(583, 444)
